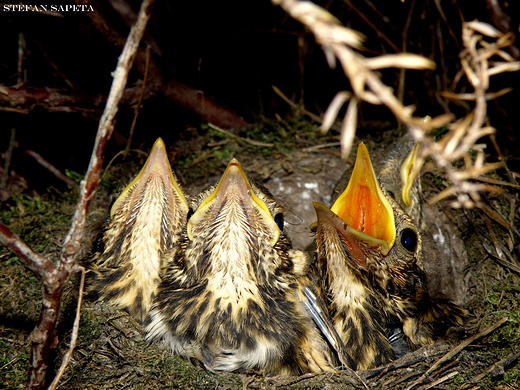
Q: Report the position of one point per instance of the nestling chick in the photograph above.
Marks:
(233, 294)
(353, 304)
(146, 220)
(384, 244)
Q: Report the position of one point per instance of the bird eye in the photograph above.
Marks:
(190, 213)
(278, 218)
(409, 239)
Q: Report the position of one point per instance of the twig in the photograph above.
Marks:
(40, 265)
(54, 66)
(367, 20)
(22, 47)
(314, 117)
(10, 362)
(494, 367)
(17, 110)
(7, 157)
(402, 73)
(123, 153)
(340, 43)
(75, 330)
(409, 359)
(322, 146)
(383, 17)
(140, 100)
(456, 350)
(300, 381)
(55, 171)
(23, 99)
(246, 140)
(498, 255)
(502, 20)
(497, 217)
(499, 182)
(440, 380)
(393, 381)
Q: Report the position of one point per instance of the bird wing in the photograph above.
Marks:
(316, 309)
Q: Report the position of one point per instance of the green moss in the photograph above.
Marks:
(224, 153)
(493, 298)
(184, 161)
(512, 376)
(459, 380)
(14, 362)
(77, 177)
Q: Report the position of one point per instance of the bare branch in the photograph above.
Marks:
(106, 126)
(55, 171)
(41, 266)
(75, 330)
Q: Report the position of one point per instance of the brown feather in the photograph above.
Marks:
(146, 221)
(391, 274)
(231, 294)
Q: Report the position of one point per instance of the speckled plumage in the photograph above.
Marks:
(428, 316)
(146, 220)
(402, 287)
(352, 304)
(381, 246)
(232, 293)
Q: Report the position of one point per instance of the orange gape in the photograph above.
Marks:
(363, 205)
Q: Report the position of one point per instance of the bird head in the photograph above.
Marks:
(146, 220)
(376, 233)
(237, 229)
(154, 186)
(397, 170)
(151, 211)
(238, 207)
(364, 207)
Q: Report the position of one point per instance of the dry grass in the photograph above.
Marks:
(483, 56)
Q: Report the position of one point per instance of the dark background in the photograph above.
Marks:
(231, 52)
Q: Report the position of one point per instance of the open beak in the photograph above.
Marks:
(156, 170)
(353, 239)
(234, 187)
(364, 207)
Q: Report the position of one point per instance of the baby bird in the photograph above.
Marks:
(352, 302)
(235, 295)
(146, 221)
(383, 244)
